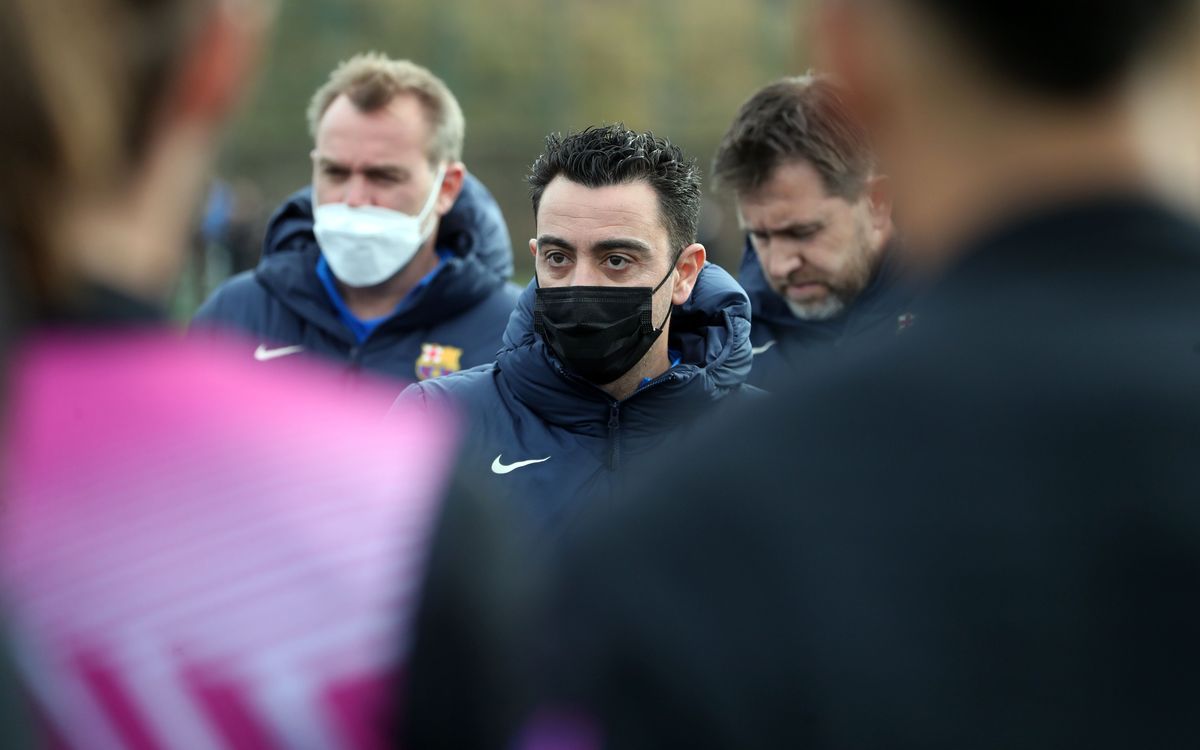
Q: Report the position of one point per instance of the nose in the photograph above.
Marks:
(357, 191)
(586, 274)
(778, 260)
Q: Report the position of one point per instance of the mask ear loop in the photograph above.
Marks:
(431, 201)
(670, 307)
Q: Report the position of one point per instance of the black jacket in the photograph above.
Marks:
(525, 407)
(455, 322)
(986, 535)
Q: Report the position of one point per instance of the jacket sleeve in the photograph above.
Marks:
(410, 397)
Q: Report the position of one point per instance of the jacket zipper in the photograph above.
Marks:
(614, 439)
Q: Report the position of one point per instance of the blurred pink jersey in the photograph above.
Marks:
(196, 553)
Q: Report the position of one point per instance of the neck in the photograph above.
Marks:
(380, 300)
(132, 240)
(655, 363)
(968, 184)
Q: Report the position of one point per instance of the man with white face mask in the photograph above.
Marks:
(402, 267)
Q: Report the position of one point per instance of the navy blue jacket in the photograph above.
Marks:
(527, 407)
(455, 322)
(784, 345)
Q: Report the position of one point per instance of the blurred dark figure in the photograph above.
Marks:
(986, 535)
(186, 558)
(820, 259)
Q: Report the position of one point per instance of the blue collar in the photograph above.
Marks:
(676, 358)
(362, 329)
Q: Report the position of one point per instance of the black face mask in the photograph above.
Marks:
(598, 332)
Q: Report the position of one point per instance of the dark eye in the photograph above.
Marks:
(337, 173)
(616, 261)
(555, 258)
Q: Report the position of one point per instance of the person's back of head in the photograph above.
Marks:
(115, 133)
(1068, 51)
(984, 107)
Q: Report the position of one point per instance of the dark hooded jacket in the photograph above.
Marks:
(526, 407)
(784, 345)
(453, 322)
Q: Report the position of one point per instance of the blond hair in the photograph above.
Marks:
(372, 80)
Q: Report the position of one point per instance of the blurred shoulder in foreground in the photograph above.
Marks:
(189, 557)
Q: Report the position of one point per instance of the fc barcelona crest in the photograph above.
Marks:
(437, 360)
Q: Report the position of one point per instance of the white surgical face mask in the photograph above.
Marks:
(367, 245)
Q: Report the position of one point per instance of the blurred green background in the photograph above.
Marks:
(521, 69)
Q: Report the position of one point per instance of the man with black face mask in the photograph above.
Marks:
(625, 336)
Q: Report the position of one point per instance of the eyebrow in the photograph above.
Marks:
(800, 228)
(375, 169)
(549, 239)
(624, 243)
(385, 170)
(629, 244)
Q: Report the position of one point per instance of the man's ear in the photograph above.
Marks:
(533, 248)
(688, 268)
(224, 56)
(879, 200)
(451, 188)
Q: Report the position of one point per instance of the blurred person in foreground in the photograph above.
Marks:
(820, 263)
(625, 338)
(187, 558)
(402, 267)
(984, 536)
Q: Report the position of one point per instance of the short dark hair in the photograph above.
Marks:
(795, 119)
(614, 155)
(1060, 48)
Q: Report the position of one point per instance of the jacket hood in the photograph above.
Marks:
(473, 232)
(770, 308)
(710, 331)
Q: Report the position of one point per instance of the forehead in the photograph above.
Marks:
(793, 192)
(398, 132)
(584, 215)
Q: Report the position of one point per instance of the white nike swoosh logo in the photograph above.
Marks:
(760, 349)
(263, 354)
(499, 468)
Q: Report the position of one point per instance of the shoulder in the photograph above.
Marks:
(750, 393)
(474, 384)
(235, 298)
(501, 301)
